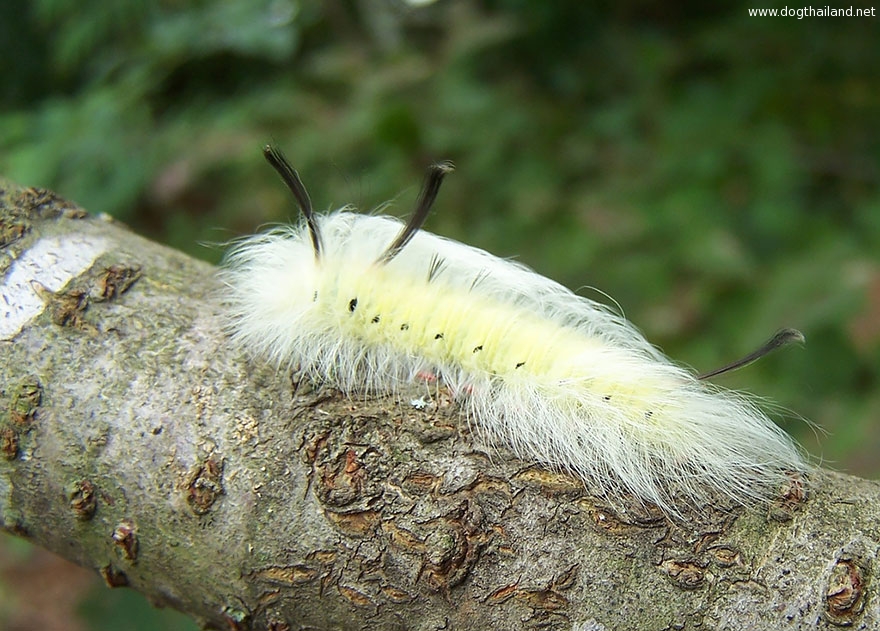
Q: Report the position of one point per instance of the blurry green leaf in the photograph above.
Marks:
(263, 28)
(127, 610)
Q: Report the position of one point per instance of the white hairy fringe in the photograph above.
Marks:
(696, 442)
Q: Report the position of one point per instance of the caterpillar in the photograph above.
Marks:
(369, 303)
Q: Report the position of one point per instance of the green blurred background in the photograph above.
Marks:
(718, 174)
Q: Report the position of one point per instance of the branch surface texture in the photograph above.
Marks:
(135, 440)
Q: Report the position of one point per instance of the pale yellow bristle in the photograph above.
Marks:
(557, 377)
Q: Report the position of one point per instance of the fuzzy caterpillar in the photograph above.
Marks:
(367, 304)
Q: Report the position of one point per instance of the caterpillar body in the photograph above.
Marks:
(367, 304)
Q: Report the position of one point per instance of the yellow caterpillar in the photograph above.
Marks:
(367, 304)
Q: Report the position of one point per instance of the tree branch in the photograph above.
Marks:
(137, 442)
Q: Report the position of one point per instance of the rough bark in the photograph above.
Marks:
(134, 440)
